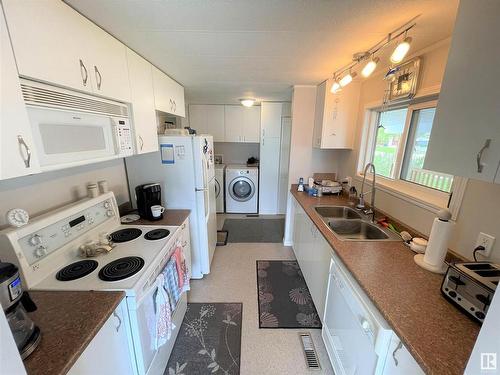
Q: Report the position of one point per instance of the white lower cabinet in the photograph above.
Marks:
(357, 338)
(313, 254)
(110, 351)
(399, 361)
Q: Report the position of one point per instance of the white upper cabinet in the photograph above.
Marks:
(271, 114)
(109, 65)
(242, 124)
(335, 116)
(468, 112)
(169, 95)
(143, 103)
(208, 119)
(55, 44)
(17, 154)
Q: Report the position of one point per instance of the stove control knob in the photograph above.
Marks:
(480, 315)
(109, 213)
(107, 204)
(40, 251)
(35, 240)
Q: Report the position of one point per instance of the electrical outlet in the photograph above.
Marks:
(487, 241)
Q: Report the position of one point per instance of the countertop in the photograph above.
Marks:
(437, 334)
(68, 322)
(170, 216)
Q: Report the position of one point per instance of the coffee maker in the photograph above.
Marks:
(148, 195)
(16, 304)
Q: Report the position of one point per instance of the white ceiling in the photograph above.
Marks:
(222, 50)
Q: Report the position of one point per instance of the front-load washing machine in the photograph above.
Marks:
(242, 189)
(219, 187)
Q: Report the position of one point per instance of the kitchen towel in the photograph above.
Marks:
(182, 270)
(159, 314)
(164, 324)
(172, 282)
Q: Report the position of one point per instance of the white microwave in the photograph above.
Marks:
(72, 129)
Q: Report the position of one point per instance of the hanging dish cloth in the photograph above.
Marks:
(172, 282)
(164, 324)
(182, 270)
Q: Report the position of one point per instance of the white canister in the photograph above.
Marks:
(92, 191)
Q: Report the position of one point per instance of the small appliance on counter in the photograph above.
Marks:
(16, 304)
(471, 285)
(328, 187)
(148, 197)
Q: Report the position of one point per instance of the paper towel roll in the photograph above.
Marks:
(437, 246)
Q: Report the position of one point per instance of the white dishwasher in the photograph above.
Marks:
(356, 336)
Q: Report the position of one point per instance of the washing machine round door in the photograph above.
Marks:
(242, 189)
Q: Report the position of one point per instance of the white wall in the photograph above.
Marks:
(236, 153)
(46, 191)
(304, 159)
(480, 208)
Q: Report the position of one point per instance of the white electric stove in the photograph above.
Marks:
(47, 252)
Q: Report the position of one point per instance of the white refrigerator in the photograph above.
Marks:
(185, 168)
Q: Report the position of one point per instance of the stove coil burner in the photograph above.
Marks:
(124, 235)
(77, 270)
(157, 234)
(121, 268)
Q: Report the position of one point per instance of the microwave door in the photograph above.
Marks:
(66, 138)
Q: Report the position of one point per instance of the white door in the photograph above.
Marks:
(271, 119)
(468, 110)
(51, 42)
(251, 124)
(109, 65)
(17, 153)
(399, 361)
(269, 175)
(143, 103)
(208, 119)
(169, 95)
(286, 137)
(234, 122)
(110, 350)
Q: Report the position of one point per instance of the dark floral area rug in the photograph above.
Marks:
(209, 340)
(284, 299)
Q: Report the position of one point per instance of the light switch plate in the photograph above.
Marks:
(487, 241)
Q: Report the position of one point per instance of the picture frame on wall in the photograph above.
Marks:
(404, 81)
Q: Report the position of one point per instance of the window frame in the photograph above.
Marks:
(425, 197)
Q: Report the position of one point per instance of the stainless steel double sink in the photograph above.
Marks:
(351, 225)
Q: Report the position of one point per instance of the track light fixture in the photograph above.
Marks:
(397, 56)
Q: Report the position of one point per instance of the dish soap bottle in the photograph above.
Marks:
(301, 184)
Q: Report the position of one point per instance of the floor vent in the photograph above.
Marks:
(253, 215)
(311, 356)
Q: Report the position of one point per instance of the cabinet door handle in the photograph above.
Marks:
(98, 77)
(141, 143)
(263, 132)
(183, 226)
(400, 345)
(27, 159)
(184, 244)
(171, 105)
(119, 321)
(479, 155)
(84, 73)
(175, 106)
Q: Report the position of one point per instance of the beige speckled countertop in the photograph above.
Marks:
(170, 216)
(437, 334)
(68, 322)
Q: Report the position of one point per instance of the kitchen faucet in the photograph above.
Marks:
(361, 204)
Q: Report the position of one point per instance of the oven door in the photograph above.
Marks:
(152, 360)
(66, 138)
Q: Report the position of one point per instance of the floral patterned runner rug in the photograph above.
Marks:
(284, 299)
(209, 340)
